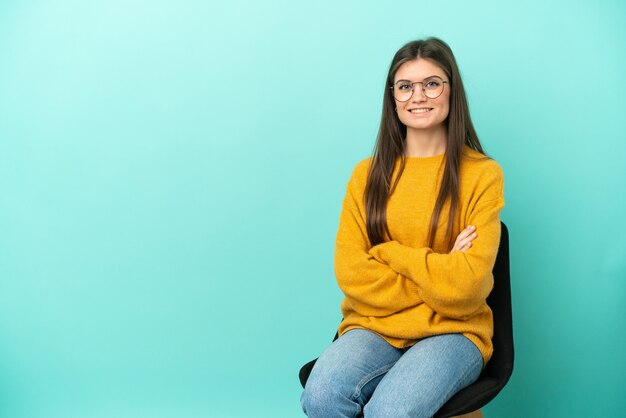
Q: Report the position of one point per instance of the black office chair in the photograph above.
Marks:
(500, 367)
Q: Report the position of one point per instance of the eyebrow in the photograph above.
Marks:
(425, 78)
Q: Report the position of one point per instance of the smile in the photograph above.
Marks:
(421, 110)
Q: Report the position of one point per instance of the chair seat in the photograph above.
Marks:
(471, 398)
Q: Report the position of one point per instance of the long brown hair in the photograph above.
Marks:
(390, 143)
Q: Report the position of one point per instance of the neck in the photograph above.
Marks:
(426, 142)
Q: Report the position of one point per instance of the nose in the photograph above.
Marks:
(418, 94)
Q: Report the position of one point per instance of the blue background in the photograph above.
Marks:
(171, 176)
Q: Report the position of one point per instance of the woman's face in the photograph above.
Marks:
(409, 112)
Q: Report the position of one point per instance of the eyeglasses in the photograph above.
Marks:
(432, 87)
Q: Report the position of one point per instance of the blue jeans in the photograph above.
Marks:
(362, 375)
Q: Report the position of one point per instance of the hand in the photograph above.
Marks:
(464, 239)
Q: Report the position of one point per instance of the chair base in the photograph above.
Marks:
(475, 414)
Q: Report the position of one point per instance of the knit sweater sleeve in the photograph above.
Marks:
(370, 286)
(455, 285)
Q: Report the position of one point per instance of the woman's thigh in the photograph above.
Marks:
(346, 374)
(425, 377)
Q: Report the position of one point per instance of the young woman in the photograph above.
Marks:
(417, 240)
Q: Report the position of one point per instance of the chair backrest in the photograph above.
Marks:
(500, 367)
(499, 300)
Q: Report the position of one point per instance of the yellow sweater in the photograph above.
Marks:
(403, 290)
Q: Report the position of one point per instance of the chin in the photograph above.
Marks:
(423, 126)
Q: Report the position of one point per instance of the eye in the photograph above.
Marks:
(432, 84)
(404, 87)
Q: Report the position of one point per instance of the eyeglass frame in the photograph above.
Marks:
(423, 89)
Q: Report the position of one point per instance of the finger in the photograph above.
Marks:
(469, 238)
(466, 247)
(457, 245)
(466, 231)
(464, 242)
(463, 236)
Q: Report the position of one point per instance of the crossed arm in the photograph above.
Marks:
(370, 285)
(454, 285)
(389, 277)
